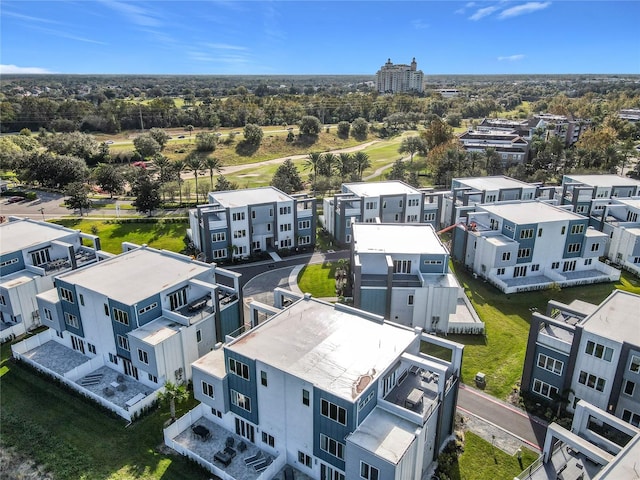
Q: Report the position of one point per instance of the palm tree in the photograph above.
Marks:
(212, 164)
(193, 163)
(362, 162)
(173, 393)
(162, 163)
(313, 162)
(345, 164)
(179, 166)
(329, 160)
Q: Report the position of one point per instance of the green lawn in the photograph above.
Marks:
(318, 279)
(481, 461)
(501, 355)
(74, 439)
(163, 236)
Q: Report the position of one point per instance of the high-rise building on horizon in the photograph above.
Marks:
(393, 78)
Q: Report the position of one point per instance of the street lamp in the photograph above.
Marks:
(41, 210)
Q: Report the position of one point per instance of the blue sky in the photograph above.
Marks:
(318, 37)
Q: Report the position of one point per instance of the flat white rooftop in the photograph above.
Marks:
(376, 189)
(249, 196)
(396, 238)
(23, 234)
(385, 435)
(630, 202)
(601, 180)
(157, 331)
(135, 275)
(335, 348)
(212, 363)
(493, 183)
(616, 318)
(17, 278)
(530, 212)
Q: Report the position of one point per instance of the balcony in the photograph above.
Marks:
(416, 391)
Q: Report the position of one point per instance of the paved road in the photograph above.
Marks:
(529, 429)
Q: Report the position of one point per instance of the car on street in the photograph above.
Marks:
(109, 142)
(15, 199)
(180, 136)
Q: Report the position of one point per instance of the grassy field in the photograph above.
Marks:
(481, 461)
(501, 354)
(74, 439)
(318, 279)
(163, 236)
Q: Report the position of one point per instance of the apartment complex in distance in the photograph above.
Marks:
(521, 246)
(586, 192)
(395, 78)
(587, 352)
(335, 392)
(239, 223)
(142, 316)
(31, 254)
(401, 272)
(510, 146)
(389, 202)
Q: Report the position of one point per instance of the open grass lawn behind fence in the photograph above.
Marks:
(318, 279)
(160, 235)
(74, 439)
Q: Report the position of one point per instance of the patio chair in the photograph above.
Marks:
(121, 387)
(230, 442)
(108, 392)
(253, 459)
(120, 378)
(242, 446)
(288, 473)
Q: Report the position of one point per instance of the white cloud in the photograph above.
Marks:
(9, 69)
(224, 46)
(511, 58)
(134, 13)
(482, 12)
(28, 18)
(523, 9)
(419, 24)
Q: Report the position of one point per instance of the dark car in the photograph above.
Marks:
(15, 199)
(180, 136)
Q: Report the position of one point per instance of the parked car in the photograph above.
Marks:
(109, 142)
(180, 136)
(15, 199)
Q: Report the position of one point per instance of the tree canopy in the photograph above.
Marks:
(287, 178)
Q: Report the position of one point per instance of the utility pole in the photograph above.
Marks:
(41, 210)
(140, 111)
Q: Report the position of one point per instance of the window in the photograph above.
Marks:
(239, 233)
(539, 232)
(113, 358)
(285, 243)
(348, 239)
(635, 364)
(555, 265)
(285, 227)
(241, 401)
(526, 233)
(304, 224)
(207, 389)
(400, 204)
(305, 397)
(222, 253)
(551, 364)
(8, 262)
(92, 348)
(198, 336)
(106, 309)
(569, 266)
(143, 356)
(429, 217)
(413, 202)
(433, 262)
(333, 411)
(40, 257)
(152, 378)
(370, 205)
(177, 299)
(544, 389)
(71, 320)
(268, 439)
(520, 272)
(412, 218)
(588, 261)
(285, 210)
(591, 381)
(263, 378)
(304, 240)
(81, 298)
(238, 216)
(410, 300)
(402, 266)
(304, 459)
(66, 295)
(535, 267)
(368, 472)
(506, 256)
(630, 417)
(599, 351)
(573, 248)
(331, 446)
(524, 253)
(577, 229)
(121, 316)
(219, 237)
(329, 473)
(629, 387)
(47, 314)
(564, 229)
(123, 342)
(500, 271)
(239, 368)
(148, 308)
(364, 401)
(595, 247)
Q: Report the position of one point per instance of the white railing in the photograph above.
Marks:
(146, 402)
(12, 332)
(463, 328)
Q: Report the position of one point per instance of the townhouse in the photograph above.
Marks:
(510, 146)
(587, 352)
(31, 254)
(143, 316)
(240, 223)
(524, 246)
(389, 202)
(401, 272)
(347, 395)
(598, 446)
(585, 193)
(466, 193)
